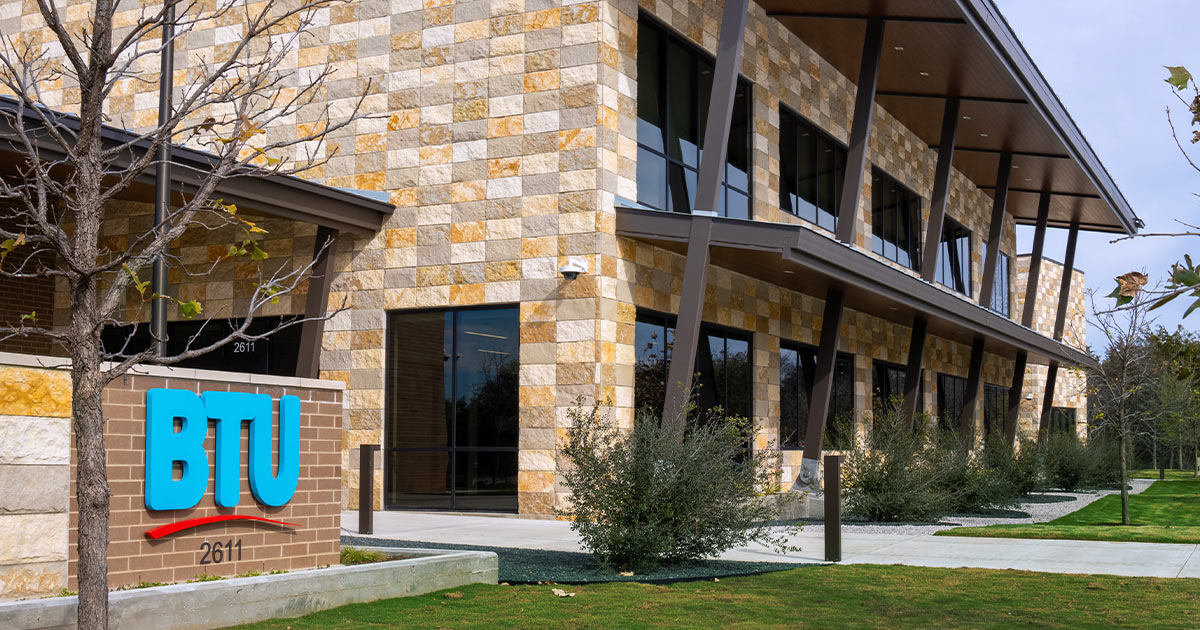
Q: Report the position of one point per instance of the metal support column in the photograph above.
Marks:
(308, 361)
(966, 416)
(711, 178)
(1060, 323)
(941, 189)
(1014, 398)
(912, 373)
(162, 181)
(995, 230)
(860, 132)
(1035, 260)
(822, 391)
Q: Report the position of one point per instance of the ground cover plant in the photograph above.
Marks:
(668, 492)
(852, 597)
(1166, 512)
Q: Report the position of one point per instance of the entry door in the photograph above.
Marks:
(452, 409)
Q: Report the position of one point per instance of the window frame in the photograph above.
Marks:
(949, 414)
(838, 174)
(1058, 426)
(667, 35)
(879, 242)
(878, 401)
(946, 271)
(830, 428)
(1000, 394)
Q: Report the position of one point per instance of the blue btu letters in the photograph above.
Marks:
(165, 447)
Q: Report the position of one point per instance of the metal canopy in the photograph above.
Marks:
(933, 49)
(799, 258)
(282, 196)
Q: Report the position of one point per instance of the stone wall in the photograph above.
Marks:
(35, 434)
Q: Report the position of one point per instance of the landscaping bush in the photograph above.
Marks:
(892, 477)
(654, 495)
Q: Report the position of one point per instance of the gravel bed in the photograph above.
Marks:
(1038, 507)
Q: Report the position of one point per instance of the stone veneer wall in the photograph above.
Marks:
(507, 130)
(38, 511)
(1070, 388)
(35, 435)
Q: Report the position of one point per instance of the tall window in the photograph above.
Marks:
(1000, 297)
(995, 409)
(954, 257)
(895, 221)
(451, 409)
(888, 386)
(797, 372)
(952, 393)
(811, 169)
(674, 86)
(1062, 420)
(722, 364)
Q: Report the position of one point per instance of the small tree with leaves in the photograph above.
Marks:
(241, 108)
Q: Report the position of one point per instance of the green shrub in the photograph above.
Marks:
(654, 495)
(892, 477)
(353, 555)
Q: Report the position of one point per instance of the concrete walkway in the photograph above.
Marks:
(1054, 556)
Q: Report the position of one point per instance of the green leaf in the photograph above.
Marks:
(190, 308)
(258, 254)
(1191, 308)
(1185, 277)
(1163, 301)
(1179, 77)
(30, 316)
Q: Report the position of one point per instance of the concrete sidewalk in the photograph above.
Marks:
(1053, 556)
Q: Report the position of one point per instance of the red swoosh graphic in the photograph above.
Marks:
(167, 530)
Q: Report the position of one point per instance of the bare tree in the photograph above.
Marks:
(1120, 387)
(53, 207)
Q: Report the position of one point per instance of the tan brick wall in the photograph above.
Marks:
(315, 507)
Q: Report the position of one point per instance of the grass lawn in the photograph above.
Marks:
(1166, 512)
(808, 597)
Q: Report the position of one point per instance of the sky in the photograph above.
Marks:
(1104, 59)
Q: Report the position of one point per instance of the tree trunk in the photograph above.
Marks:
(1154, 452)
(1124, 479)
(91, 478)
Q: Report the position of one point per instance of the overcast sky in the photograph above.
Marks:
(1104, 59)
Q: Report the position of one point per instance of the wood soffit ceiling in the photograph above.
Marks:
(937, 48)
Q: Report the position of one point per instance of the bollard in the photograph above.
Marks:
(833, 508)
(366, 487)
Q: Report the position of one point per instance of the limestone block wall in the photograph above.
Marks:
(35, 430)
(1070, 388)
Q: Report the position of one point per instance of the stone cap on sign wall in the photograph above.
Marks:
(61, 363)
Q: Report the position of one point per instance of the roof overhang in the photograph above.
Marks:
(933, 49)
(270, 194)
(797, 257)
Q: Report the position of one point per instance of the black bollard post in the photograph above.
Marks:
(833, 508)
(366, 487)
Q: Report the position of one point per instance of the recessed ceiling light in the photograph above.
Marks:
(1028, 180)
(1015, 166)
(966, 118)
(924, 74)
(983, 135)
(898, 48)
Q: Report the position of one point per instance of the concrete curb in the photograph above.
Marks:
(217, 604)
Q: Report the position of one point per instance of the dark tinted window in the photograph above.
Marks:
(888, 386)
(954, 257)
(895, 221)
(797, 371)
(952, 393)
(995, 409)
(451, 410)
(674, 86)
(1062, 420)
(812, 166)
(1000, 296)
(722, 367)
(275, 354)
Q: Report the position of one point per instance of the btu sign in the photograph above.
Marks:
(176, 426)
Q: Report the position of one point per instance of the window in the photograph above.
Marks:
(954, 257)
(275, 354)
(889, 386)
(451, 410)
(674, 85)
(895, 221)
(1062, 420)
(995, 409)
(812, 166)
(722, 366)
(952, 393)
(1000, 296)
(797, 372)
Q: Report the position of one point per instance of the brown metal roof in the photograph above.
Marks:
(937, 48)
